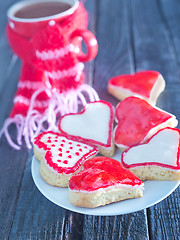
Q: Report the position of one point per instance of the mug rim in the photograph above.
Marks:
(19, 5)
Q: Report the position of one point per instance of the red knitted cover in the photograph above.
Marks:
(49, 66)
(41, 64)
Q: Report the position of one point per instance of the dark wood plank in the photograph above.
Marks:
(35, 216)
(129, 226)
(9, 66)
(155, 49)
(12, 165)
(38, 218)
(170, 14)
(12, 162)
(115, 57)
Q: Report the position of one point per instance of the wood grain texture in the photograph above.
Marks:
(130, 226)
(12, 163)
(9, 66)
(38, 218)
(155, 49)
(115, 57)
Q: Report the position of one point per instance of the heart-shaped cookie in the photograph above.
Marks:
(162, 149)
(103, 180)
(94, 124)
(62, 156)
(137, 120)
(145, 84)
(158, 158)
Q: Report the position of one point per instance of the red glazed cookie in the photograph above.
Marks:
(94, 125)
(137, 121)
(158, 159)
(146, 84)
(102, 181)
(63, 157)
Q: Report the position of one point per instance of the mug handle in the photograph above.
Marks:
(90, 42)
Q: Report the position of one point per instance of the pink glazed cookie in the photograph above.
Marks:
(94, 125)
(158, 159)
(102, 181)
(137, 120)
(146, 84)
(63, 157)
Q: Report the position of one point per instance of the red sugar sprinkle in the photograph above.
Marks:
(78, 145)
(53, 145)
(71, 148)
(63, 141)
(49, 141)
(60, 154)
(69, 156)
(77, 153)
(60, 149)
(70, 142)
(65, 161)
(62, 145)
(67, 151)
(80, 149)
(58, 160)
(55, 140)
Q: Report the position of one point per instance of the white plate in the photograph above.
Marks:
(154, 192)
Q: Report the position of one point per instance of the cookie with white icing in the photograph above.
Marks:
(137, 120)
(102, 181)
(158, 159)
(94, 125)
(63, 157)
(145, 84)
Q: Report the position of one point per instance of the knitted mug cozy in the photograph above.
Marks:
(51, 81)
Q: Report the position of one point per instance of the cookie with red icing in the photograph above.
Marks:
(158, 159)
(137, 120)
(102, 181)
(63, 157)
(94, 125)
(145, 84)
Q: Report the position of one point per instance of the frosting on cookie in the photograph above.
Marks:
(162, 149)
(94, 124)
(137, 119)
(102, 173)
(140, 83)
(63, 154)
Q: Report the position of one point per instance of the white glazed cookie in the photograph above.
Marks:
(94, 125)
(102, 181)
(145, 84)
(63, 157)
(158, 159)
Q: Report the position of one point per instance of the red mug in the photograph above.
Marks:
(26, 27)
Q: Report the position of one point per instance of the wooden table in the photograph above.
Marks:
(133, 35)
